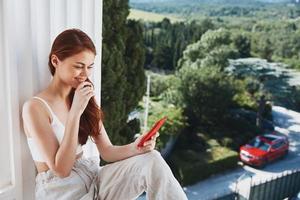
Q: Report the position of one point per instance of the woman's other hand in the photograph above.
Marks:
(82, 95)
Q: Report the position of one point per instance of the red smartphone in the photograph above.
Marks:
(153, 131)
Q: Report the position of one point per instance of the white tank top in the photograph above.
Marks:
(58, 129)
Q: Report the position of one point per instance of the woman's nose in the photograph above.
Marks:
(85, 72)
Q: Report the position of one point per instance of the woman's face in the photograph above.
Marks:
(75, 69)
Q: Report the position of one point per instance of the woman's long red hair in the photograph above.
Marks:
(66, 44)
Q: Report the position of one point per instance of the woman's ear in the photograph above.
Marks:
(54, 60)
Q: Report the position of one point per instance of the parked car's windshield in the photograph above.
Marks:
(257, 143)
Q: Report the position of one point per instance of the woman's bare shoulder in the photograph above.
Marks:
(36, 102)
(33, 102)
(34, 107)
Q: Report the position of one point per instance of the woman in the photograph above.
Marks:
(59, 120)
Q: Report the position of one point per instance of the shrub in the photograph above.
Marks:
(174, 124)
(201, 168)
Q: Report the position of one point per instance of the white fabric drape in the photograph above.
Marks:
(27, 29)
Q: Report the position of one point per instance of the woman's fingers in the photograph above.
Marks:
(85, 93)
(150, 142)
(83, 85)
(149, 148)
(155, 136)
(148, 145)
(91, 94)
(86, 90)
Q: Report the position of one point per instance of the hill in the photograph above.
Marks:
(149, 16)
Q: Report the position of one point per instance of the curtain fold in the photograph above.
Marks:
(27, 30)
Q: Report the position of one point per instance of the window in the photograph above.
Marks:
(278, 145)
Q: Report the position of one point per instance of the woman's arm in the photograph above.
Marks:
(112, 153)
(59, 158)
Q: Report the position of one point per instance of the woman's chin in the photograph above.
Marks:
(75, 85)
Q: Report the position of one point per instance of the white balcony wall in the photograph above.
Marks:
(27, 29)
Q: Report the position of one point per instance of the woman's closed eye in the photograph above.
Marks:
(81, 67)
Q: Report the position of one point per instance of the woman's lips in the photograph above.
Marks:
(80, 80)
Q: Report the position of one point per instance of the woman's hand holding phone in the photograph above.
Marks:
(147, 141)
(149, 145)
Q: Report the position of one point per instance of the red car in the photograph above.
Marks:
(263, 149)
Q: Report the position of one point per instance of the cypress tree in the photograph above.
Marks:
(122, 70)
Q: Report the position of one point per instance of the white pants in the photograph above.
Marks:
(122, 180)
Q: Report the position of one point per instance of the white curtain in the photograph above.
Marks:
(27, 29)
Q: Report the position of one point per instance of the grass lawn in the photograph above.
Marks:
(149, 16)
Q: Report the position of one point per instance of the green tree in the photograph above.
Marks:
(163, 57)
(214, 38)
(242, 42)
(134, 59)
(296, 97)
(207, 94)
(213, 50)
(169, 40)
(123, 79)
